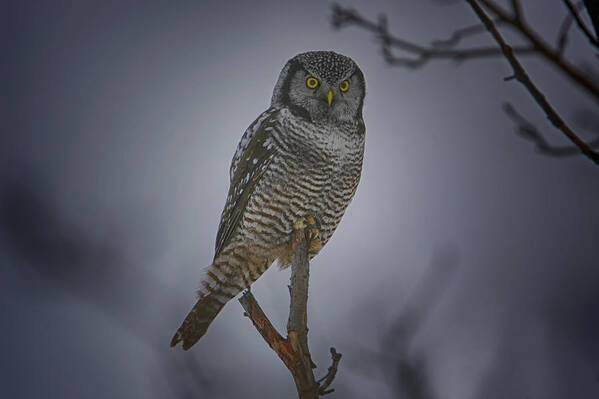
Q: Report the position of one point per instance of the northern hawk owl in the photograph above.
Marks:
(300, 159)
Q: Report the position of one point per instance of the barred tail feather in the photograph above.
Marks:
(198, 320)
(218, 287)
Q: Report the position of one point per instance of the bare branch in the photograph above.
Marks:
(457, 36)
(542, 48)
(293, 350)
(326, 381)
(523, 78)
(574, 11)
(297, 329)
(419, 55)
(529, 132)
(593, 10)
(562, 37)
(266, 329)
(517, 9)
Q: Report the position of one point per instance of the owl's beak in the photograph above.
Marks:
(330, 97)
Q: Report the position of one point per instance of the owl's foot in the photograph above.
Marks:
(310, 227)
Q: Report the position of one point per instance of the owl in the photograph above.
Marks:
(300, 160)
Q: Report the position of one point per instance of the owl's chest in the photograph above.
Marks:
(324, 145)
(326, 153)
(324, 164)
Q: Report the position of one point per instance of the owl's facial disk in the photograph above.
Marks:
(323, 100)
(321, 86)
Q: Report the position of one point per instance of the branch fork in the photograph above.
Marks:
(293, 350)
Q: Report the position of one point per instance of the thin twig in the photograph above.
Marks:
(326, 381)
(542, 48)
(517, 9)
(562, 37)
(523, 78)
(593, 11)
(528, 131)
(574, 11)
(459, 34)
(420, 55)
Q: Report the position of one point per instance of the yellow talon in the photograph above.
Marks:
(311, 234)
(314, 246)
(300, 224)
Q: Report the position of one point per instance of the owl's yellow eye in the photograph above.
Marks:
(311, 82)
(344, 86)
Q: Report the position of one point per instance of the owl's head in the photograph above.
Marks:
(321, 85)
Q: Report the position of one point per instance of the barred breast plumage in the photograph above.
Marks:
(301, 157)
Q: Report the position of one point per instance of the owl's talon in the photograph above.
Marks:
(310, 226)
(300, 224)
(311, 234)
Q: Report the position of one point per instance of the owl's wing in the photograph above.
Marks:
(254, 152)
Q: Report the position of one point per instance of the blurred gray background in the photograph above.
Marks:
(466, 258)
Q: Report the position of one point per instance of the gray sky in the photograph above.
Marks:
(120, 126)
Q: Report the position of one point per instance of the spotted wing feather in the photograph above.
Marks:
(254, 153)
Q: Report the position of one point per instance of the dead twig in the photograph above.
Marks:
(419, 55)
(541, 47)
(293, 350)
(562, 37)
(523, 78)
(266, 329)
(593, 11)
(498, 16)
(528, 131)
(517, 9)
(574, 11)
(459, 34)
(326, 381)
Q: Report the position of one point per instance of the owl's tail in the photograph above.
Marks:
(222, 281)
(198, 320)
